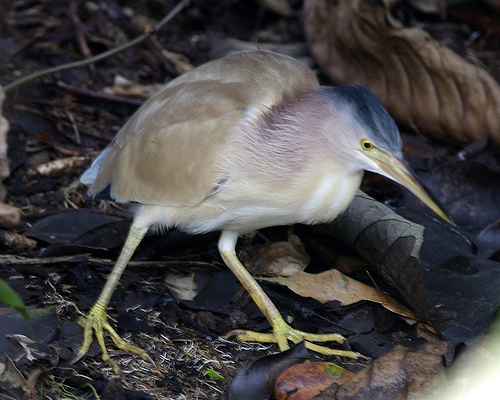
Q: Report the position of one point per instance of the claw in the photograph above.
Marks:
(95, 324)
(283, 334)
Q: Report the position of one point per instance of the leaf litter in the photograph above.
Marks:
(69, 116)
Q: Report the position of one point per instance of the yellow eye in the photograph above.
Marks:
(366, 144)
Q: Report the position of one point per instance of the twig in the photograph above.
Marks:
(80, 91)
(11, 260)
(79, 31)
(99, 57)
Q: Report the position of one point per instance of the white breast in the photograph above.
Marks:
(330, 197)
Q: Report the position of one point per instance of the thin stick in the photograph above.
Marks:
(99, 57)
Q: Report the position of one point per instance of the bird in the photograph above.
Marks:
(244, 142)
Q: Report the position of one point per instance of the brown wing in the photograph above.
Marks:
(169, 151)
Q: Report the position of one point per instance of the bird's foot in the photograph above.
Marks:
(283, 334)
(96, 323)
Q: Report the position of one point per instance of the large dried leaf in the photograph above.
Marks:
(399, 374)
(423, 84)
(388, 241)
(334, 285)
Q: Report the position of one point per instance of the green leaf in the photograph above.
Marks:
(9, 297)
(212, 374)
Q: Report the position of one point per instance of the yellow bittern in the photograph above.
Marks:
(242, 143)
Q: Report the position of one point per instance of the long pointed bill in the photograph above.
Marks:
(397, 170)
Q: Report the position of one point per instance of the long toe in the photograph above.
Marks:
(95, 324)
(283, 334)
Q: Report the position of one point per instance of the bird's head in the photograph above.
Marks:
(365, 136)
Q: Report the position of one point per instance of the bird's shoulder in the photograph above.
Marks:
(172, 146)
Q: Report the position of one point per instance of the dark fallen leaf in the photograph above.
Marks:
(257, 381)
(33, 350)
(131, 301)
(386, 240)
(69, 340)
(468, 190)
(113, 391)
(360, 320)
(219, 295)
(488, 240)
(304, 381)
(81, 227)
(373, 344)
(16, 140)
(21, 343)
(458, 282)
(68, 250)
(435, 266)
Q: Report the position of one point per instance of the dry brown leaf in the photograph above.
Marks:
(12, 381)
(16, 242)
(185, 284)
(59, 167)
(399, 374)
(304, 381)
(280, 7)
(10, 216)
(277, 258)
(127, 88)
(423, 84)
(334, 285)
(437, 7)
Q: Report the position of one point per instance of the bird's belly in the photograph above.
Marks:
(316, 202)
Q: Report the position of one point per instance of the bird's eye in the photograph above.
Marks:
(366, 144)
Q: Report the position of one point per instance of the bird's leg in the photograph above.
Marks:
(282, 332)
(97, 319)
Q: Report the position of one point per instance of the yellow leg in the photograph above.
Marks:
(282, 332)
(97, 319)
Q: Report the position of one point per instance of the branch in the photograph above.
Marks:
(99, 57)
